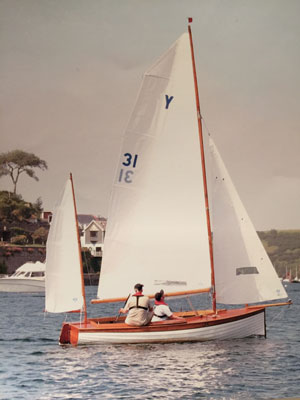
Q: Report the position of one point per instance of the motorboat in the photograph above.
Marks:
(30, 278)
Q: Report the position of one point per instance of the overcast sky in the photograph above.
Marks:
(70, 71)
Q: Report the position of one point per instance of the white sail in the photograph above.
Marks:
(243, 271)
(63, 276)
(157, 230)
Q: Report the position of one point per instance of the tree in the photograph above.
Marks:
(14, 208)
(14, 163)
(20, 239)
(40, 234)
(38, 207)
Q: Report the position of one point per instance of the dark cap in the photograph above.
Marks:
(159, 295)
(139, 287)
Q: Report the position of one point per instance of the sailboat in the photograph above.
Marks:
(296, 279)
(166, 228)
(288, 276)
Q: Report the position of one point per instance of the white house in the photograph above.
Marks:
(92, 231)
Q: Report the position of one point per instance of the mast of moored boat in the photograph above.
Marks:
(199, 118)
(79, 253)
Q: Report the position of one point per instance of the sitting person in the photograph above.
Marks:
(162, 310)
(138, 308)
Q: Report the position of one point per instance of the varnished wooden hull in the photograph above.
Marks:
(227, 324)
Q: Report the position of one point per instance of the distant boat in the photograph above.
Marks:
(288, 276)
(29, 278)
(161, 175)
(296, 279)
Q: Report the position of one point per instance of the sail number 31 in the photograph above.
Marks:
(125, 175)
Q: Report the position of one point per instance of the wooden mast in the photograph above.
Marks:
(199, 118)
(79, 253)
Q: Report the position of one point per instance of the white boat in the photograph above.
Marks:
(288, 276)
(160, 225)
(296, 279)
(30, 278)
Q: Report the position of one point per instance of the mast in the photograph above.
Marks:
(199, 118)
(79, 253)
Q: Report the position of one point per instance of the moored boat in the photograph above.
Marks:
(296, 279)
(30, 278)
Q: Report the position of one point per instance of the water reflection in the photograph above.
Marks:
(33, 366)
(167, 371)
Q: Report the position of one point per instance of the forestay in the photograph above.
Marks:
(243, 270)
(63, 258)
(157, 230)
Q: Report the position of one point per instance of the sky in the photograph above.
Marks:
(70, 71)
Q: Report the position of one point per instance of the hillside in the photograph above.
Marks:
(283, 248)
(20, 225)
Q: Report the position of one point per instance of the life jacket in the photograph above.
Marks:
(160, 316)
(137, 296)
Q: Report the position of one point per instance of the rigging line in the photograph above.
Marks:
(87, 266)
(79, 252)
(191, 305)
(205, 126)
(277, 315)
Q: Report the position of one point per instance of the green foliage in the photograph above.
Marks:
(14, 163)
(38, 207)
(283, 248)
(3, 267)
(40, 235)
(21, 239)
(14, 208)
(90, 263)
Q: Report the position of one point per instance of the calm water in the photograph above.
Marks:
(33, 365)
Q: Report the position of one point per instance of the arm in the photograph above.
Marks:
(170, 315)
(125, 308)
(175, 317)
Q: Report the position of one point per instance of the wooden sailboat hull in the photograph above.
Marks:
(227, 324)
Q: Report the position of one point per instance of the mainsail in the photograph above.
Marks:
(63, 258)
(157, 230)
(244, 273)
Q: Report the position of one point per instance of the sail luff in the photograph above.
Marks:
(199, 118)
(79, 252)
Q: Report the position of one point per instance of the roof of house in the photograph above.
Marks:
(97, 224)
(86, 219)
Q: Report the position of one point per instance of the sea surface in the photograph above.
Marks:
(33, 365)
